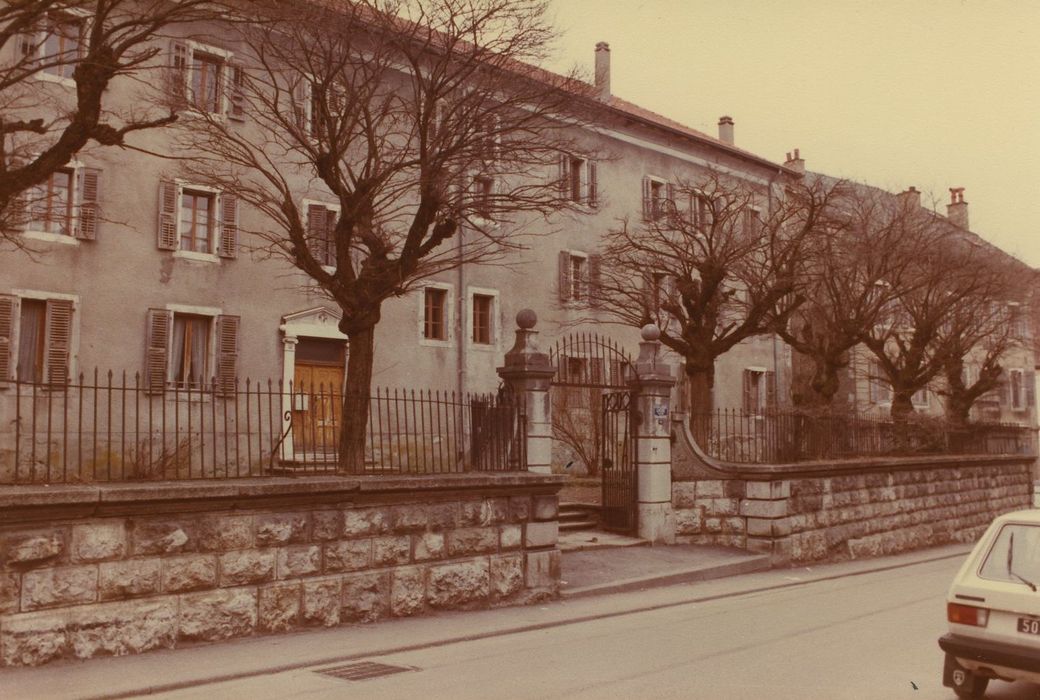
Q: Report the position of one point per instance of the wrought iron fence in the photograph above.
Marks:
(109, 427)
(779, 437)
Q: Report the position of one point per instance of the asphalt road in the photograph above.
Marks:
(865, 636)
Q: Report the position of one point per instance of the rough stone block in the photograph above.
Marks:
(688, 521)
(32, 547)
(408, 591)
(117, 629)
(725, 506)
(162, 536)
(217, 614)
(684, 493)
(327, 524)
(541, 534)
(442, 516)
(299, 560)
(542, 570)
(507, 575)
(763, 509)
(321, 602)
(246, 566)
(126, 579)
(474, 512)
(279, 607)
(358, 522)
(546, 507)
(391, 551)
(510, 536)
(458, 583)
(33, 639)
(348, 555)
(519, 508)
(429, 545)
(366, 597)
(47, 588)
(10, 589)
(712, 525)
(464, 541)
(408, 518)
(711, 489)
(98, 541)
(498, 509)
(222, 533)
(191, 572)
(281, 528)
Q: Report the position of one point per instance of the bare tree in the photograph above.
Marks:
(712, 264)
(60, 59)
(423, 124)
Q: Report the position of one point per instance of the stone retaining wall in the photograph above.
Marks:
(122, 569)
(851, 511)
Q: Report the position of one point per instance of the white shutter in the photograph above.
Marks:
(648, 199)
(592, 193)
(228, 243)
(88, 192)
(565, 275)
(166, 231)
(8, 313)
(236, 92)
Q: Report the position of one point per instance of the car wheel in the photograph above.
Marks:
(967, 684)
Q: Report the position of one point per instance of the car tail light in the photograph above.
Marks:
(967, 614)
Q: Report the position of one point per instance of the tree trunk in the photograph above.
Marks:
(356, 393)
(701, 383)
(902, 409)
(825, 383)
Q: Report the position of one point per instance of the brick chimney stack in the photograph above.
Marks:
(603, 70)
(796, 162)
(910, 197)
(726, 130)
(957, 209)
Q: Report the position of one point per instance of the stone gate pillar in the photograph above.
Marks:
(651, 390)
(527, 372)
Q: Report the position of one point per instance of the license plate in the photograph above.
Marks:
(1029, 625)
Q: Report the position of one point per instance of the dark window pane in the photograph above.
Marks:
(320, 351)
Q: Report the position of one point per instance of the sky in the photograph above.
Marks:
(929, 93)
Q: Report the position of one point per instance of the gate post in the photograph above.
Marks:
(527, 373)
(651, 389)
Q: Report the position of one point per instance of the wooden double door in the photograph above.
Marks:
(318, 395)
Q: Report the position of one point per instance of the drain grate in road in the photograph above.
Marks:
(363, 670)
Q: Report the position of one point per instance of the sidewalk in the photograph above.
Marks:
(205, 663)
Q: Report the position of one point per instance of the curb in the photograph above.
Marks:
(747, 566)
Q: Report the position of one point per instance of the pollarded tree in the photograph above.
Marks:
(59, 60)
(422, 129)
(711, 264)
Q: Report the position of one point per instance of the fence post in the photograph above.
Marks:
(651, 389)
(527, 373)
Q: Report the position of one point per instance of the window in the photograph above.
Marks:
(1017, 388)
(750, 220)
(658, 288)
(759, 390)
(321, 223)
(1019, 322)
(657, 198)
(186, 347)
(197, 220)
(56, 45)
(205, 78)
(483, 191)
(920, 398)
(578, 180)
(579, 276)
(700, 212)
(65, 204)
(435, 321)
(35, 337)
(483, 312)
(879, 386)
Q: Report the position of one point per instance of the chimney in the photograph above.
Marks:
(957, 209)
(910, 198)
(726, 130)
(603, 70)
(795, 163)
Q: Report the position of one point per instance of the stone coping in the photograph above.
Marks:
(825, 468)
(86, 496)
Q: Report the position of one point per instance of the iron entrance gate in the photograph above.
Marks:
(591, 409)
(618, 453)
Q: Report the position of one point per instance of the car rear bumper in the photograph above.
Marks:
(991, 653)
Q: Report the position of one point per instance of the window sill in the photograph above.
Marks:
(186, 396)
(48, 237)
(196, 257)
(431, 343)
(483, 347)
(57, 79)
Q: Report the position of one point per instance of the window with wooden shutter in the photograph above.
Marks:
(304, 106)
(228, 247)
(565, 175)
(593, 186)
(88, 186)
(747, 388)
(1030, 390)
(178, 76)
(167, 226)
(592, 280)
(236, 93)
(321, 222)
(565, 275)
(157, 343)
(227, 354)
(648, 199)
(770, 387)
(58, 341)
(8, 314)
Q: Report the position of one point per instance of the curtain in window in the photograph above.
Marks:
(30, 341)
(189, 351)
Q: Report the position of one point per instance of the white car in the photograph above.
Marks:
(993, 608)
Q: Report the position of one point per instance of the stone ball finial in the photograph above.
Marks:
(650, 332)
(526, 318)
